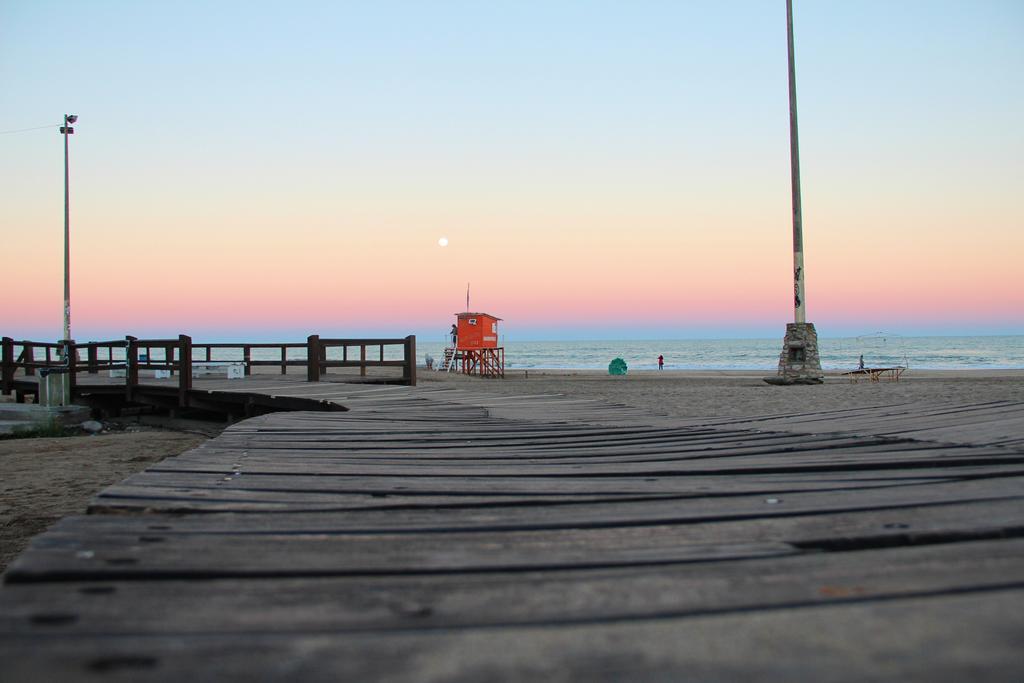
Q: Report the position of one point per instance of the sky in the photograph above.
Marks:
(601, 170)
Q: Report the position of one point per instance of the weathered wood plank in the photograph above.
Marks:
(167, 491)
(529, 463)
(883, 520)
(445, 601)
(85, 553)
(935, 638)
(59, 557)
(839, 461)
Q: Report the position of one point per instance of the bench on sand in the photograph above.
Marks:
(233, 369)
(875, 374)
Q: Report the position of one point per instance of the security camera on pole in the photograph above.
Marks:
(799, 362)
(67, 130)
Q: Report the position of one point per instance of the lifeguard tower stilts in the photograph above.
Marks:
(476, 350)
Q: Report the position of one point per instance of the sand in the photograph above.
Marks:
(42, 480)
(692, 394)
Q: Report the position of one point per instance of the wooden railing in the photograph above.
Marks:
(29, 358)
(204, 352)
(317, 349)
(176, 355)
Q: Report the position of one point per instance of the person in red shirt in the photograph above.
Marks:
(661, 362)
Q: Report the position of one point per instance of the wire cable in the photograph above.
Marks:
(25, 130)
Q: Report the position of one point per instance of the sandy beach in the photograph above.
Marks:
(44, 479)
(743, 393)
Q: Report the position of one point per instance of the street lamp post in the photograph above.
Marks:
(67, 130)
(799, 362)
(799, 312)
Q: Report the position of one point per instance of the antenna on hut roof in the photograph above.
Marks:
(467, 297)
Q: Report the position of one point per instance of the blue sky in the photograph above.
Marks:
(581, 141)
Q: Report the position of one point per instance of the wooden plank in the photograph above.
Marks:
(879, 521)
(402, 436)
(568, 445)
(471, 457)
(82, 553)
(845, 460)
(447, 601)
(62, 558)
(966, 637)
(164, 491)
(123, 499)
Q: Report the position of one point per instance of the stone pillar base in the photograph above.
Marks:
(54, 389)
(799, 362)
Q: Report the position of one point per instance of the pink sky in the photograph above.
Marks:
(618, 179)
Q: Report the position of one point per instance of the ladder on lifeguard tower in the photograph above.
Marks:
(448, 363)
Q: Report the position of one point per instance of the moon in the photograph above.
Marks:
(443, 242)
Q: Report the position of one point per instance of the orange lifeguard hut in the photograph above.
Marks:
(475, 347)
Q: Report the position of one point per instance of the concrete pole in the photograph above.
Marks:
(67, 234)
(800, 314)
(799, 362)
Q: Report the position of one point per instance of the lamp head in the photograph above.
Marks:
(71, 118)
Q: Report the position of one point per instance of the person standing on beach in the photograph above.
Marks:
(661, 362)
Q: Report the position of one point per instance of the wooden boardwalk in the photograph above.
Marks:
(432, 533)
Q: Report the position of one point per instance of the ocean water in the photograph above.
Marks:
(841, 353)
(934, 353)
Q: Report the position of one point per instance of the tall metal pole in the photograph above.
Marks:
(794, 163)
(66, 130)
(799, 362)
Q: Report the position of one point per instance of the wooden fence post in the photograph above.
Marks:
(313, 358)
(247, 359)
(28, 355)
(185, 368)
(131, 361)
(410, 360)
(94, 359)
(7, 374)
(71, 354)
(362, 360)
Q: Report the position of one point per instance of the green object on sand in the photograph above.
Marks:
(617, 367)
